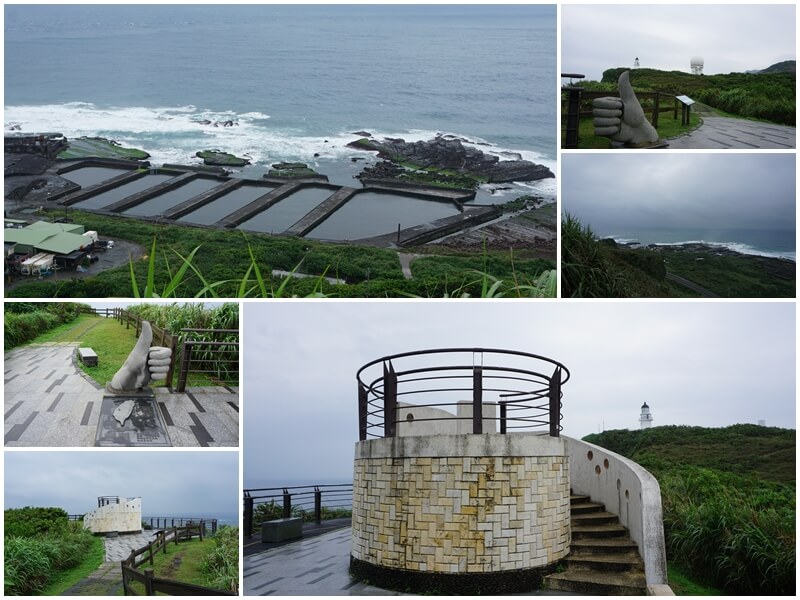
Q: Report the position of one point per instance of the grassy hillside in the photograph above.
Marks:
(729, 500)
(593, 268)
(769, 96)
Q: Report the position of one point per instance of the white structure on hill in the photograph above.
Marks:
(636, 63)
(114, 514)
(645, 419)
(697, 65)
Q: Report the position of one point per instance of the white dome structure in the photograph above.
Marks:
(697, 65)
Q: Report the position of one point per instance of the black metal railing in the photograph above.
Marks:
(208, 525)
(520, 384)
(216, 359)
(308, 501)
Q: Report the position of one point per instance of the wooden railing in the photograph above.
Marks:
(154, 585)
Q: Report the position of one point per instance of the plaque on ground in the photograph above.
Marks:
(131, 420)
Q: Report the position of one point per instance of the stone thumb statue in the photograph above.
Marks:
(143, 365)
(622, 119)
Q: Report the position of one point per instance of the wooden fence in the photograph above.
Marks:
(213, 358)
(152, 584)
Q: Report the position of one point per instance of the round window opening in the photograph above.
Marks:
(605, 463)
(410, 417)
(590, 455)
(597, 469)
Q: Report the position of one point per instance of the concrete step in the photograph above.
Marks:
(584, 507)
(607, 530)
(628, 562)
(578, 498)
(603, 546)
(598, 583)
(594, 518)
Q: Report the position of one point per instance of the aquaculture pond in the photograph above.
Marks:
(123, 191)
(165, 201)
(89, 176)
(279, 217)
(369, 214)
(225, 205)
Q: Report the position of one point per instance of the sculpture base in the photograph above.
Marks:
(142, 422)
(519, 581)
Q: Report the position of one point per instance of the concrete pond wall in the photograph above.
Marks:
(122, 517)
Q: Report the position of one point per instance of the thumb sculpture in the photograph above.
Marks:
(143, 365)
(622, 119)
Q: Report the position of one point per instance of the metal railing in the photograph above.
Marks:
(216, 359)
(209, 526)
(308, 501)
(523, 387)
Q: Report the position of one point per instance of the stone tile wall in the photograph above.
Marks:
(461, 514)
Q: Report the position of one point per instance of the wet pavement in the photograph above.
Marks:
(724, 132)
(49, 401)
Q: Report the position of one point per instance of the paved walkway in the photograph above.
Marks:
(106, 580)
(315, 566)
(48, 401)
(724, 132)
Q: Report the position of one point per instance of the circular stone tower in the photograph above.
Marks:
(461, 481)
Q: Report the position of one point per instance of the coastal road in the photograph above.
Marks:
(724, 132)
(691, 285)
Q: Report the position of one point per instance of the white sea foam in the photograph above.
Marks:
(739, 247)
(175, 133)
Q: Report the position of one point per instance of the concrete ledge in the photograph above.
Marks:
(281, 529)
(628, 490)
(517, 581)
(456, 446)
(659, 590)
(87, 356)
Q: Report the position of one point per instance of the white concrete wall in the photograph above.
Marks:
(462, 425)
(124, 517)
(627, 490)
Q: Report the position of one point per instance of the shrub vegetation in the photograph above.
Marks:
(26, 320)
(40, 543)
(728, 497)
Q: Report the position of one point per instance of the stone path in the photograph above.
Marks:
(48, 401)
(725, 132)
(106, 580)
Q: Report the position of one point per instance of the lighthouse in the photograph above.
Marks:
(645, 419)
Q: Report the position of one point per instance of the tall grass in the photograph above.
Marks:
(585, 270)
(25, 321)
(221, 564)
(221, 362)
(31, 562)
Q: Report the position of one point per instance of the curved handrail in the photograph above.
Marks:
(526, 395)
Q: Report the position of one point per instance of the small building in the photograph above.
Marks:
(67, 242)
(115, 515)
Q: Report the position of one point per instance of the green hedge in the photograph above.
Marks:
(26, 320)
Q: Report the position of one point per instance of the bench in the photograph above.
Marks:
(282, 529)
(87, 356)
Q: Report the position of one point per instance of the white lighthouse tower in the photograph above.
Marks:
(636, 63)
(645, 419)
(696, 65)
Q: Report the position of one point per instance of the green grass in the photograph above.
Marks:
(729, 501)
(667, 128)
(181, 563)
(100, 148)
(66, 579)
(684, 584)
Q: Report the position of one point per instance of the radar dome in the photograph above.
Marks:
(697, 61)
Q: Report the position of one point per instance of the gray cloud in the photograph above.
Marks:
(710, 364)
(692, 191)
(170, 483)
(731, 38)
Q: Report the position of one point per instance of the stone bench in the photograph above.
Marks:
(281, 529)
(87, 356)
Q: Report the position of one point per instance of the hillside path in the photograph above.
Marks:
(106, 580)
(691, 285)
(725, 132)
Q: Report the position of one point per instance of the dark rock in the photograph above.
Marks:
(451, 154)
(362, 133)
(224, 159)
(316, 154)
(356, 158)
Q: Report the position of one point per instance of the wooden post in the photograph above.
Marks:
(148, 583)
(175, 534)
(200, 528)
(656, 110)
(186, 355)
(150, 551)
(173, 345)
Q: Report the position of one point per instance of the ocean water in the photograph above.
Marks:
(776, 244)
(298, 80)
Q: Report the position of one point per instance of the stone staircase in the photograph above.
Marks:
(603, 560)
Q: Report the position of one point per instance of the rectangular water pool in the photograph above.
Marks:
(89, 176)
(123, 191)
(225, 205)
(279, 217)
(165, 201)
(369, 214)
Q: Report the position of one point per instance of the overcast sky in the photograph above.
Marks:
(686, 191)
(709, 364)
(729, 37)
(170, 483)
